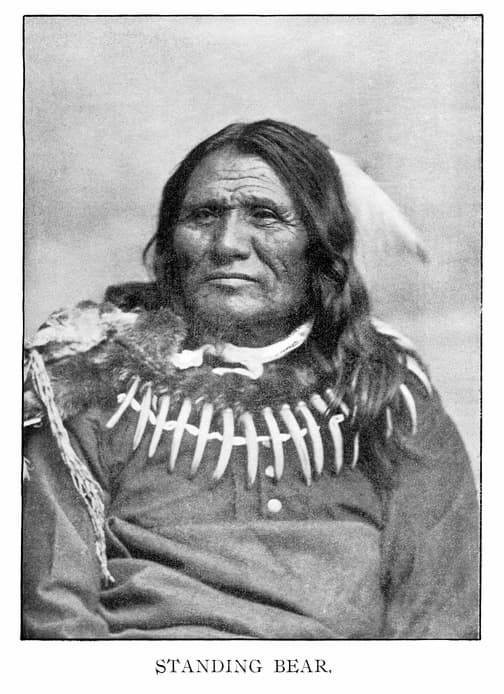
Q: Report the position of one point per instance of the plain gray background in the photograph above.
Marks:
(112, 104)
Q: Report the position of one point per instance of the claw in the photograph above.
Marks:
(414, 367)
(252, 446)
(333, 403)
(297, 438)
(390, 428)
(227, 443)
(330, 395)
(160, 422)
(143, 417)
(319, 404)
(312, 426)
(337, 438)
(385, 329)
(204, 428)
(344, 408)
(410, 404)
(276, 442)
(178, 432)
(355, 456)
(355, 378)
(125, 404)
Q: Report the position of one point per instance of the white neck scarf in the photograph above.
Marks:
(252, 358)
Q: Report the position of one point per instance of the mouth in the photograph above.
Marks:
(229, 278)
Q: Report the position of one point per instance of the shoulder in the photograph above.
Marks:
(79, 354)
(421, 441)
(70, 331)
(434, 471)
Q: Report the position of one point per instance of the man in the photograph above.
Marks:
(239, 450)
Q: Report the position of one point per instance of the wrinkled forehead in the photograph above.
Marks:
(231, 176)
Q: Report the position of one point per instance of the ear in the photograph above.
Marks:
(380, 224)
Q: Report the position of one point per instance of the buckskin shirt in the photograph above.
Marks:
(232, 520)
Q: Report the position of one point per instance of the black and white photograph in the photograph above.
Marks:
(252, 365)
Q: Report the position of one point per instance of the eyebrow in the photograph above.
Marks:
(249, 202)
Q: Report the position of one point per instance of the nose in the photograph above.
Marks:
(232, 239)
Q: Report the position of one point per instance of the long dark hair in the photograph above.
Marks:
(307, 169)
(366, 367)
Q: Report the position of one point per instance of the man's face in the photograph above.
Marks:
(239, 245)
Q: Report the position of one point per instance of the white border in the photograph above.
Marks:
(432, 666)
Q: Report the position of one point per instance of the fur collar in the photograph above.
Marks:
(93, 352)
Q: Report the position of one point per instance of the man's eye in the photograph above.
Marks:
(263, 214)
(203, 215)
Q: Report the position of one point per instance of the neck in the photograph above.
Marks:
(240, 333)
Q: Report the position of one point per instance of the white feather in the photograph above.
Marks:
(380, 224)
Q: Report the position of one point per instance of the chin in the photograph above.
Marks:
(240, 317)
(223, 313)
(231, 305)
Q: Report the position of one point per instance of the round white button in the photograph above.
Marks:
(269, 471)
(274, 505)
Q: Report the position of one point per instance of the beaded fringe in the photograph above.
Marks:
(88, 489)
